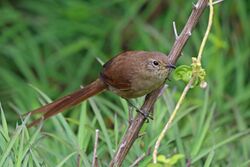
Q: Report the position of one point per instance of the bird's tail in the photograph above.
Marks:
(68, 101)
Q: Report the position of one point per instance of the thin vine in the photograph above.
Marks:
(197, 76)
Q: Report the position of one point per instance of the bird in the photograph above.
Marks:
(130, 74)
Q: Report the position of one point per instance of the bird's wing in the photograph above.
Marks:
(116, 74)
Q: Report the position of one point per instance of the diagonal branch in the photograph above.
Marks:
(133, 130)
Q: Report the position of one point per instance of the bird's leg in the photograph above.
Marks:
(146, 115)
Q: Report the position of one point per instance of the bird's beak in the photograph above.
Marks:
(171, 66)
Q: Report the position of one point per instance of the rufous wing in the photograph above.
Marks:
(116, 73)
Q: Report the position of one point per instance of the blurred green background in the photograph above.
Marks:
(49, 48)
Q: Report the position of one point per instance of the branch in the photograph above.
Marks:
(174, 54)
(136, 162)
(195, 75)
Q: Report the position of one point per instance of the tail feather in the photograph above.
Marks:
(68, 101)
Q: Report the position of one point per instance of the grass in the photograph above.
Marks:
(53, 46)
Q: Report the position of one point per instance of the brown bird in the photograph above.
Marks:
(130, 74)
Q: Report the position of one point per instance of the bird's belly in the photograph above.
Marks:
(137, 89)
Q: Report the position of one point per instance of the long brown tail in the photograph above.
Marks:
(68, 101)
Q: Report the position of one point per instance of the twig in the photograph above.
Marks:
(165, 86)
(188, 86)
(216, 2)
(136, 162)
(133, 130)
(95, 158)
(175, 31)
(210, 21)
(78, 163)
(163, 132)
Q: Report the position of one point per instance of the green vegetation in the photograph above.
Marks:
(49, 48)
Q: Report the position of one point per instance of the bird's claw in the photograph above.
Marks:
(146, 115)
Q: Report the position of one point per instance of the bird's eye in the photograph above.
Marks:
(156, 63)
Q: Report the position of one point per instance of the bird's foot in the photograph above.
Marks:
(146, 115)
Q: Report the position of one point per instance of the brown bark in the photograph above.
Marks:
(133, 130)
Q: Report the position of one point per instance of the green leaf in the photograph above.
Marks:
(168, 162)
(183, 73)
(11, 143)
(163, 159)
(154, 165)
(4, 130)
(175, 158)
